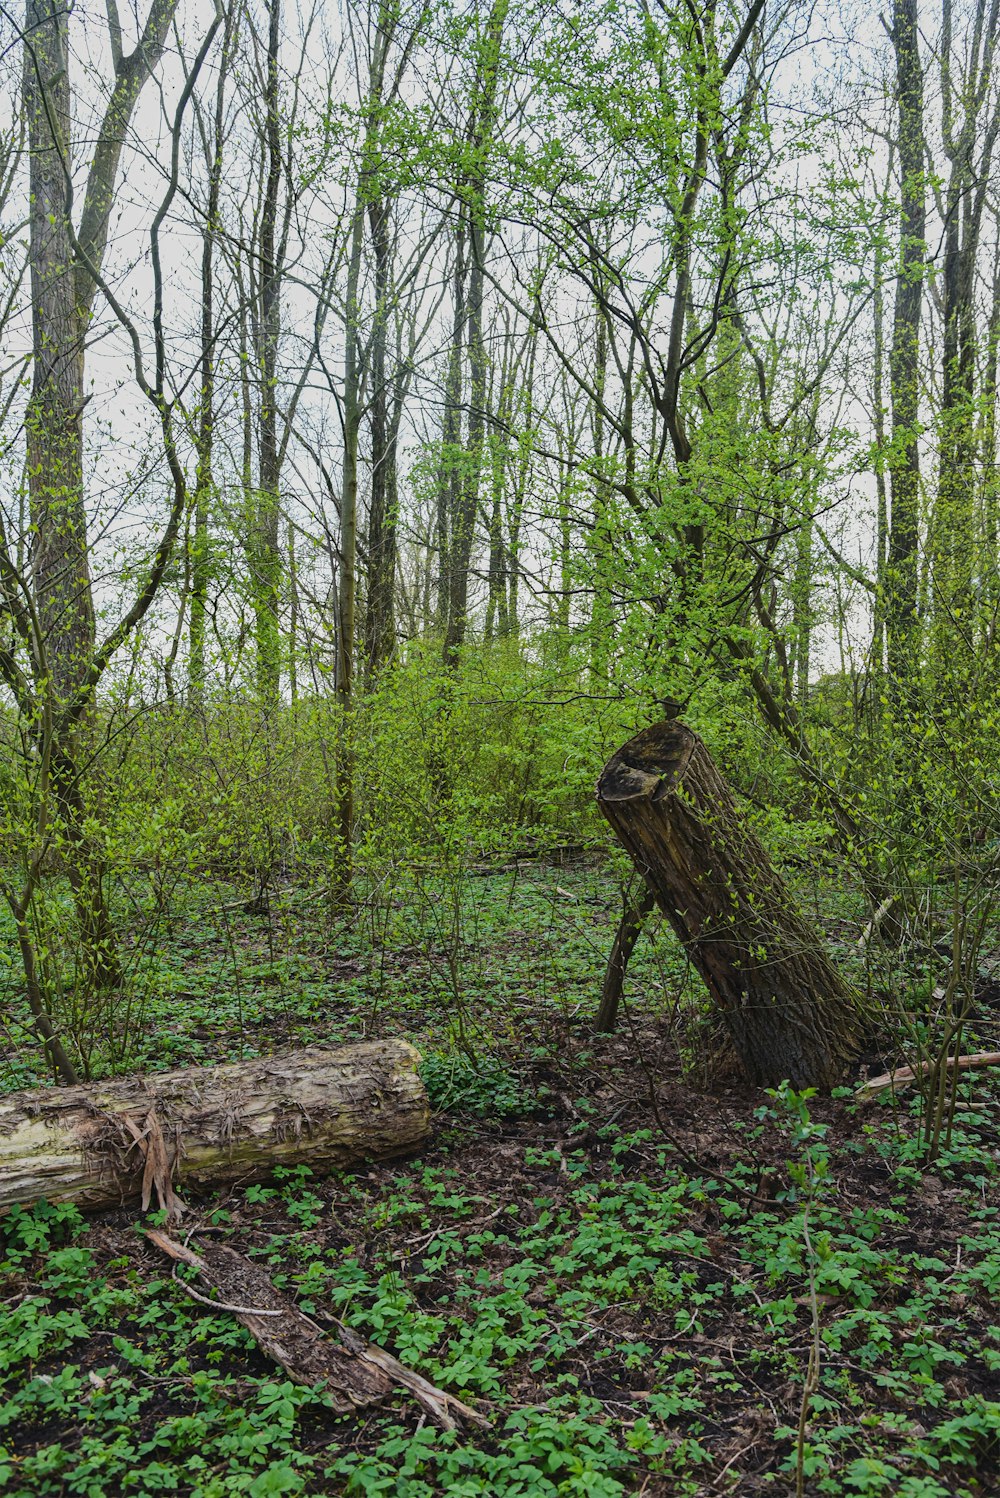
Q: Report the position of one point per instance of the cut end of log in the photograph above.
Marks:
(650, 766)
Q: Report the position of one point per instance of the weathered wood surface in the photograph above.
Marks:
(325, 1108)
(790, 1014)
(354, 1373)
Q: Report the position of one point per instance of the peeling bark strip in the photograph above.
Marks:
(319, 1107)
(788, 1011)
(354, 1373)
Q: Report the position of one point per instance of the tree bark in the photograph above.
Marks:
(469, 318)
(54, 425)
(204, 443)
(383, 512)
(353, 1373)
(64, 274)
(629, 930)
(449, 475)
(789, 1013)
(904, 373)
(62, 292)
(265, 553)
(323, 1108)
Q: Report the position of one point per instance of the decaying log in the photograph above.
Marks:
(354, 1373)
(905, 1076)
(788, 1011)
(104, 1143)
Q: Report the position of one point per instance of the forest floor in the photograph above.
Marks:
(648, 1285)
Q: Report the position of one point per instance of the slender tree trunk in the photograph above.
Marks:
(382, 519)
(64, 278)
(802, 613)
(86, 869)
(266, 580)
(522, 477)
(346, 592)
(293, 618)
(449, 472)
(881, 496)
(630, 928)
(499, 460)
(464, 515)
(989, 532)
(562, 614)
(54, 422)
(201, 562)
(601, 531)
(970, 124)
(64, 275)
(953, 523)
(901, 613)
(465, 476)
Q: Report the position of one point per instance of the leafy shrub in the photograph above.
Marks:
(455, 1082)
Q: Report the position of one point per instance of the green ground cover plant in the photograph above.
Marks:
(402, 408)
(626, 1274)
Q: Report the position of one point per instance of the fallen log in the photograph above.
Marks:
(905, 1076)
(104, 1143)
(354, 1373)
(790, 1014)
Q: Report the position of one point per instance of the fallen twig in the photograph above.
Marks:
(885, 912)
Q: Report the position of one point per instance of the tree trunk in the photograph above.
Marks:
(54, 424)
(449, 475)
(266, 563)
(200, 553)
(789, 1013)
(904, 373)
(629, 930)
(64, 274)
(347, 581)
(383, 513)
(466, 508)
(323, 1108)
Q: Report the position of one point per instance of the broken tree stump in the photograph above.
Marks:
(103, 1143)
(790, 1014)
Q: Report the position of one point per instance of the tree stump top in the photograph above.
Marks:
(650, 766)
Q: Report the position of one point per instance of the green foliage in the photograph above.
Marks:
(609, 1246)
(465, 1083)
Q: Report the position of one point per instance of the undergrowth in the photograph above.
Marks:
(628, 1324)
